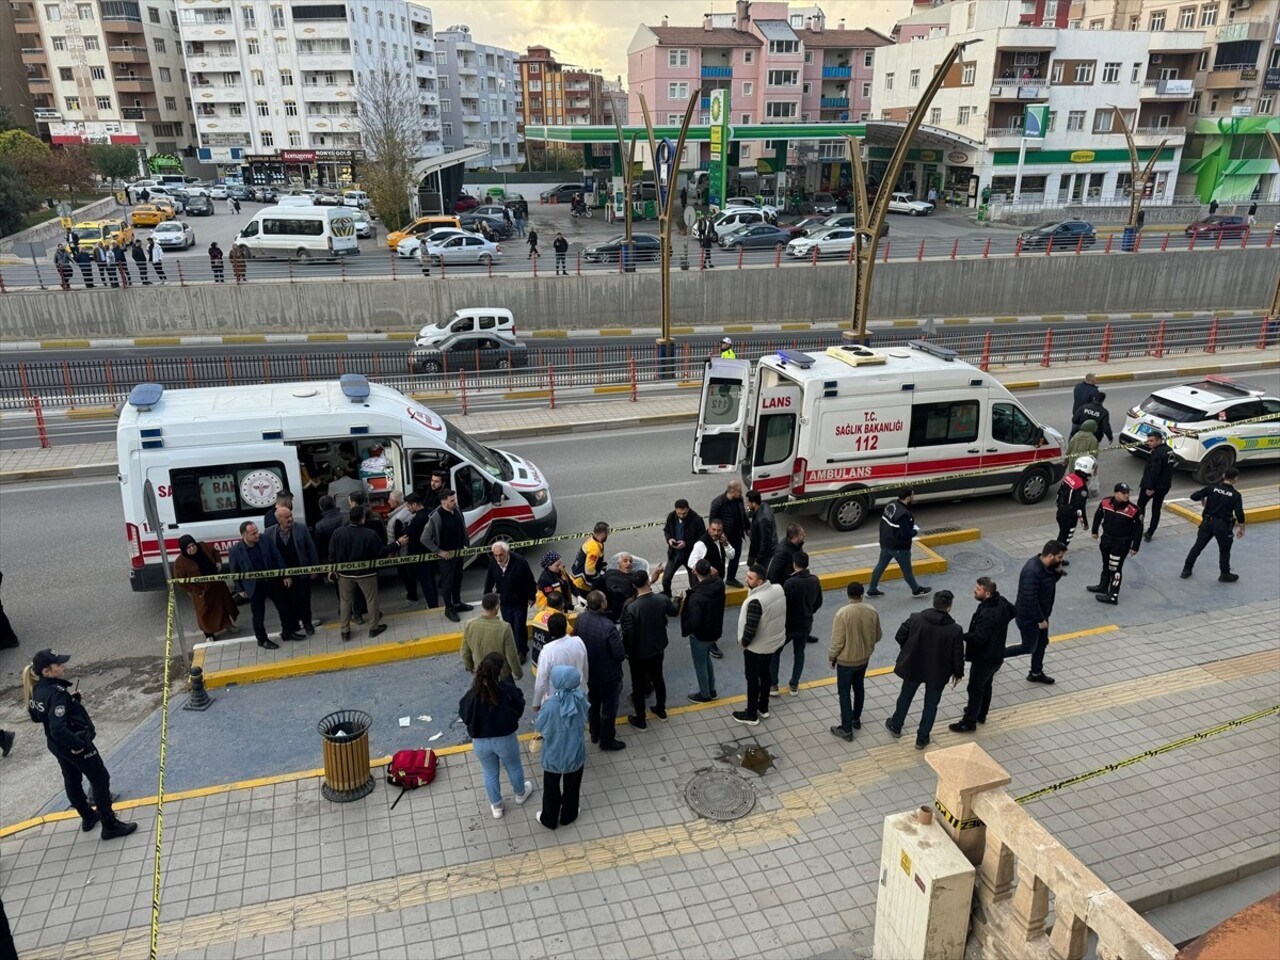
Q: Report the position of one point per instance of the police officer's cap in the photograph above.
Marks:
(1121, 488)
(47, 658)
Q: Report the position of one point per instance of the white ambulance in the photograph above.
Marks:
(864, 423)
(218, 456)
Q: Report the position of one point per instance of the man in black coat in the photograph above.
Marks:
(729, 509)
(1037, 589)
(1095, 411)
(781, 566)
(763, 537)
(681, 531)
(702, 621)
(330, 519)
(804, 596)
(605, 654)
(511, 579)
(1085, 391)
(1157, 478)
(932, 653)
(357, 543)
(984, 649)
(644, 634)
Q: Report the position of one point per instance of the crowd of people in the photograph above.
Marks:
(106, 263)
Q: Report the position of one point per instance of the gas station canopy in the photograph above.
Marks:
(879, 133)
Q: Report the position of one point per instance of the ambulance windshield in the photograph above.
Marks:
(484, 458)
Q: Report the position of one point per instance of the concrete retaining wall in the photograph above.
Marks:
(1179, 214)
(50, 232)
(1227, 279)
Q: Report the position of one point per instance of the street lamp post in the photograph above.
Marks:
(871, 217)
(627, 158)
(1275, 297)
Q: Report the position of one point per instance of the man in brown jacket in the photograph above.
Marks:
(854, 635)
(489, 633)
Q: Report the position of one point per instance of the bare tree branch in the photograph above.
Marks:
(391, 130)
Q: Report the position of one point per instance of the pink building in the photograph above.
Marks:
(781, 64)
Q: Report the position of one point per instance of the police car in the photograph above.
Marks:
(1209, 425)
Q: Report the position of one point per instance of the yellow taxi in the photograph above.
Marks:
(102, 232)
(420, 228)
(164, 203)
(149, 214)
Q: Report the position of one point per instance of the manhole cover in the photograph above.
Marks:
(719, 795)
(973, 561)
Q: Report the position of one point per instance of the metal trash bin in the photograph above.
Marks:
(346, 755)
(1129, 239)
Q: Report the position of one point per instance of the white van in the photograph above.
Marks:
(864, 423)
(737, 217)
(355, 198)
(472, 319)
(217, 456)
(300, 233)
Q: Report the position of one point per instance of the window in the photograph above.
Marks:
(678, 58)
(678, 91)
(264, 109)
(214, 492)
(446, 129)
(747, 88)
(91, 43)
(65, 74)
(913, 80)
(1075, 119)
(267, 137)
(1055, 75)
(1208, 15)
(170, 103)
(166, 76)
(235, 109)
(748, 56)
(1111, 73)
(1103, 120)
(277, 18)
(808, 56)
(158, 43)
(295, 138)
(85, 12)
(258, 78)
(291, 108)
(53, 13)
(1084, 72)
(888, 81)
(1194, 106)
(251, 46)
(443, 84)
(783, 78)
(778, 110)
(1135, 75)
(784, 46)
(1010, 425)
(775, 438)
(1133, 22)
(963, 116)
(95, 73)
(1187, 18)
(1265, 104)
(59, 43)
(746, 118)
(73, 103)
(967, 74)
(866, 90)
(446, 106)
(1096, 24)
(933, 424)
(250, 20)
(1157, 20)
(935, 116)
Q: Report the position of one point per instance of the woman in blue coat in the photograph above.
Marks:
(562, 721)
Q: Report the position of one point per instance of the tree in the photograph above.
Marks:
(114, 161)
(65, 172)
(18, 146)
(17, 199)
(540, 157)
(391, 130)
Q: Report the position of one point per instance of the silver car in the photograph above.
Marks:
(174, 235)
(463, 248)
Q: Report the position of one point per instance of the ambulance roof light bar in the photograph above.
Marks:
(935, 350)
(796, 358)
(144, 396)
(355, 387)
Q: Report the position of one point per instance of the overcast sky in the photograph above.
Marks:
(595, 33)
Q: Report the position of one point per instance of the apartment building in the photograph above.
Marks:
(478, 98)
(106, 71)
(554, 93)
(1090, 82)
(1236, 87)
(780, 64)
(276, 86)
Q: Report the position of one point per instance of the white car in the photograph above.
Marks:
(409, 246)
(461, 248)
(824, 204)
(900, 202)
(836, 242)
(1209, 425)
(174, 235)
(218, 191)
(749, 203)
(364, 224)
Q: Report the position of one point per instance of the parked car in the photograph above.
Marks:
(823, 203)
(174, 235)
(748, 203)
(802, 227)
(647, 247)
(238, 191)
(200, 205)
(900, 202)
(1210, 424)
(218, 191)
(326, 198)
(1218, 226)
(470, 351)
(757, 237)
(265, 194)
(364, 224)
(356, 198)
(842, 220)
(834, 243)
(471, 223)
(150, 214)
(561, 193)
(170, 195)
(462, 249)
(1063, 234)
(408, 247)
(495, 320)
(93, 233)
(420, 228)
(464, 203)
(517, 202)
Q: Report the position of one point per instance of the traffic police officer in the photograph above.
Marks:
(1121, 525)
(1073, 499)
(1222, 504)
(69, 734)
(726, 349)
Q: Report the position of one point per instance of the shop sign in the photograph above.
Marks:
(957, 156)
(298, 156)
(928, 156)
(1082, 156)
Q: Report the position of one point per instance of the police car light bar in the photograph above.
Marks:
(794, 357)
(933, 349)
(1231, 383)
(355, 387)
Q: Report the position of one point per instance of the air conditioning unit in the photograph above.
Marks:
(1157, 58)
(1240, 95)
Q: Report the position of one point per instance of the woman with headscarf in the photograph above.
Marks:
(553, 579)
(491, 709)
(215, 609)
(562, 722)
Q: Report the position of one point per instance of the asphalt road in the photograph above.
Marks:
(944, 234)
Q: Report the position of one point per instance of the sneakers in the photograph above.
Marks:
(895, 731)
(962, 726)
(497, 811)
(464, 607)
(1147, 536)
(696, 697)
(613, 745)
(921, 744)
(774, 690)
(452, 615)
(638, 722)
(120, 828)
(528, 792)
(716, 652)
(842, 733)
(794, 688)
(1040, 678)
(762, 714)
(268, 645)
(6, 742)
(1228, 577)
(89, 822)
(922, 591)
(1094, 588)
(875, 593)
(743, 717)
(661, 714)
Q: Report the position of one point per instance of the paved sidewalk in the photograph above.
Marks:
(274, 871)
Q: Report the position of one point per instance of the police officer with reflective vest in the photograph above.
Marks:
(1073, 499)
(1157, 478)
(1222, 504)
(1121, 526)
(69, 734)
(726, 349)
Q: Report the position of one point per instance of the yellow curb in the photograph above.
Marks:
(615, 332)
(326, 337)
(1267, 514)
(1097, 316)
(551, 333)
(64, 344)
(1184, 314)
(1202, 368)
(1142, 316)
(157, 341)
(950, 537)
(954, 321)
(445, 395)
(613, 388)
(1022, 385)
(1053, 318)
(244, 338)
(90, 413)
(683, 384)
(797, 326)
(527, 395)
(402, 335)
(739, 328)
(1005, 319)
(1114, 377)
(682, 330)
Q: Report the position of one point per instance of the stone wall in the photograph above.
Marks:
(50, 232)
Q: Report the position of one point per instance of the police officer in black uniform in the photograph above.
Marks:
(1222, 504)
(1157, 478)
(1121, 526)
(1095, 411)
(1073, 500)
(69, 733)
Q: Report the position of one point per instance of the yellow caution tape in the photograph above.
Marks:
(164, 739)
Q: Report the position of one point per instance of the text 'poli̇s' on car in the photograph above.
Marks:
(470, 352)
(1209, 425)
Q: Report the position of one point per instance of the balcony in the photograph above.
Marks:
(121, 25)
(472, 118)
(37, 80)
(837, 73)
(1028, 38)
(338, 124)
(431, 99)
(222, 124)
(1144, 134)
(1253, 28)
(1003, 136)
(835, 103)
(220, 63)
(34, 55)
(1230, 76)
(1167, 90)
(26, 25)
(325, 93)
(1020, 90)
(717, 73)
(464, 46)
(208, 31)
(128, 54)
(139, 113)
(467, 69)
(127, 84)
(222, 93)
(705, 103)
(1176, 41)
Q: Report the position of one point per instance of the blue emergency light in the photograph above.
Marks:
(801, 360)
(355, 387)
(146, 395)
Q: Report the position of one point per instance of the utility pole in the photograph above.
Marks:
(1139, 176)
(627, 158)
(871, 218)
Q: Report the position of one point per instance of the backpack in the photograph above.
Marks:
(411, 769)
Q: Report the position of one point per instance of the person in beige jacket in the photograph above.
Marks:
(489, 633)
(854, 635)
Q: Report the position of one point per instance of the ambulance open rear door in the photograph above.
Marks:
(719, 443)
